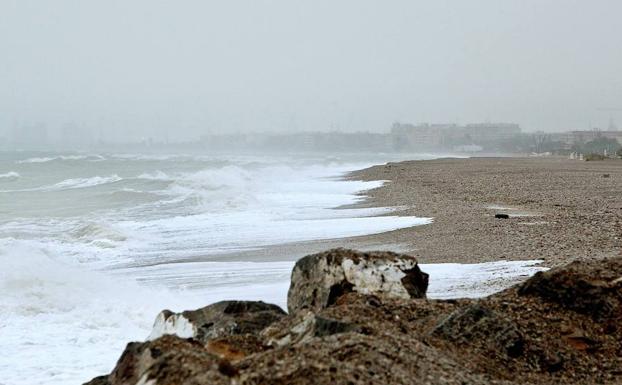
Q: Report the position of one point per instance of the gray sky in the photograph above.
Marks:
(148, 66)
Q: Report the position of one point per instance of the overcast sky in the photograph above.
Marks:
(186, 67)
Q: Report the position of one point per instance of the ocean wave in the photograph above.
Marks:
(63, 323)
(91, 158)
(11, 175)
(157, 175)
(75, 183)
(155, 157)
(36, 160)
(97, 232)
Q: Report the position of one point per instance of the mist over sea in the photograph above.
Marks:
(94, 245)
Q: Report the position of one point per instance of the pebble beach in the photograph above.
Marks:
(559, 209)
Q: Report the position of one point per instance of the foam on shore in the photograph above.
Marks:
(62, 324)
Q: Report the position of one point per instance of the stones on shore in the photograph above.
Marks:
(561, 326)
(318, 280)
(220, 319)
(169, 360)
(592, 288)
(479, 323)
(302, 327)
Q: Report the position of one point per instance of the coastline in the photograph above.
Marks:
(560, 209)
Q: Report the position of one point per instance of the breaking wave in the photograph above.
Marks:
(11, 175)
(84, 317)
(82, 182)
(92, 158)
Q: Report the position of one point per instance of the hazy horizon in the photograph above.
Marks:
(182, 69)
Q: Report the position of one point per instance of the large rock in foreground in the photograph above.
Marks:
(217, 320)
(168, 360)
(561, 327)
(318, 280)
(589, 288)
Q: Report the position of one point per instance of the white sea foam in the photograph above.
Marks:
(84, 182)
(62, 324)
(36, 160)
(156, 175)
(90, 157)
(10, 176)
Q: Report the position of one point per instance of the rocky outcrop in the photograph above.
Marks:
(217, 320)
(319, 280)
(588, 288)
(168, 360)
(529, 334)
(476, 322)
(304, 326)
(353, 358)
(100, 380)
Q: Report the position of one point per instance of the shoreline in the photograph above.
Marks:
(560, 210)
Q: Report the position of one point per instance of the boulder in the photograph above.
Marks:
(318, 280)
(236, 347)
(303, 326)
(354, 358)
(168, 360)
(592, 288)
(220, 319)
(100, 380)
(477, 324)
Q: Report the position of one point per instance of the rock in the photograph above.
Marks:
(303, 326)
(168, 360)
(502, 216)
(217, 320)
(353, 358)
(319, 280)
(477, 324)
(592, 288)
(236, 347)
(558, 327)
(101, 380)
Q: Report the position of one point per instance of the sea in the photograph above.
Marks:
(94, 244)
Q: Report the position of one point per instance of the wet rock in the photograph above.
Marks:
(502, 216)
(217, 320)
(319, 280)
(101, 380)
(236, 347)
(303, 326)
(540, 332)
(167, 360)
(592, 288)
(353, 358)
(477, 324)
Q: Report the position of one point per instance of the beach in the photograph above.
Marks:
(559, 209)
(181, 232)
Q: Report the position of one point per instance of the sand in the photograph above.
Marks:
(560, 209)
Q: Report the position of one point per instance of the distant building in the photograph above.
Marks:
(492, 132)
(448, 136)
(571, 138)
